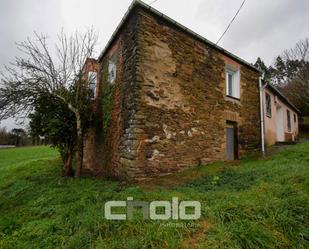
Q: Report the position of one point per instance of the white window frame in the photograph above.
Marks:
(235, 82)
(93, 80)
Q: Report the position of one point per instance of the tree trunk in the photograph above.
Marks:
(80, 137)
(68, 170)
(80, 147)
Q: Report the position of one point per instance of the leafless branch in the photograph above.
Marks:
(38, 72)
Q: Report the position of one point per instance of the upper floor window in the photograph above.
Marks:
(92, 80)
(288, 114)
(112, 70)
(295, 118)
(232, 83)
(268, 105)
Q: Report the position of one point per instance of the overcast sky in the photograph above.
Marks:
(263, 28)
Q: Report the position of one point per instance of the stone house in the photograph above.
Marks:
(280, 117)
(168, 99)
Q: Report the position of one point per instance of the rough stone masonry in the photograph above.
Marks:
(167, 108)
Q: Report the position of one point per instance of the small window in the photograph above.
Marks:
(112, 69)
(288, 119)
(232, 83)
(268, 105)
(92, 79)
(295, 118)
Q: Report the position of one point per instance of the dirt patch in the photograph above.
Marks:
(193, 241)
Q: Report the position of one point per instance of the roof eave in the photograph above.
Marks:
(283, 97)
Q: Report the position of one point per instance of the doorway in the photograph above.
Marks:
(231, 141)
(279, 124)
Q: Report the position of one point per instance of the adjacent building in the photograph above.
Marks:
(280, 117)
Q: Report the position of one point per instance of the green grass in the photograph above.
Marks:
(252, 204)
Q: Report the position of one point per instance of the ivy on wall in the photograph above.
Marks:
(108, 93)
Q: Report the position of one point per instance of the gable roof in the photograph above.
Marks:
(138, 3)
(281, 95)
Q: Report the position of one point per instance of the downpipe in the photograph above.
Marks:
(262, 114)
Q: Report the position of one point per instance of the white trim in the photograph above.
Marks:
(235, 82)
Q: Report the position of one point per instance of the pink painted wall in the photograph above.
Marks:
(271, 121)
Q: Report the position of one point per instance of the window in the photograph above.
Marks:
(92, 79)
(288, 119)
(268, 105)
(112, 72)
(232, 83)
(295, 118)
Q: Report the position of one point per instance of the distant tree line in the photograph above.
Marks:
(16, 137)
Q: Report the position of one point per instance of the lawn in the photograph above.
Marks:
(251, 204)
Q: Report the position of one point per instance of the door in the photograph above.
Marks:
(230, 143)
(279, 124)
(231, 140)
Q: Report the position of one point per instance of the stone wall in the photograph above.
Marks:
(167, 110)
(181, 107)
(107, 140)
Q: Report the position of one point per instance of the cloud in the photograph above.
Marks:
(18, 19)
(263, 28)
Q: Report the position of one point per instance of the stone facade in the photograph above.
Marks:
(167, 109)
(107, 139)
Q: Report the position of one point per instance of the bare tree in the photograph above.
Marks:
(294, 72)
(299, 52)
(40, 72)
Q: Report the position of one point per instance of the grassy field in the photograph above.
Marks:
(251, 204)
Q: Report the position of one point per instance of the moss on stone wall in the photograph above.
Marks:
(108, 93)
